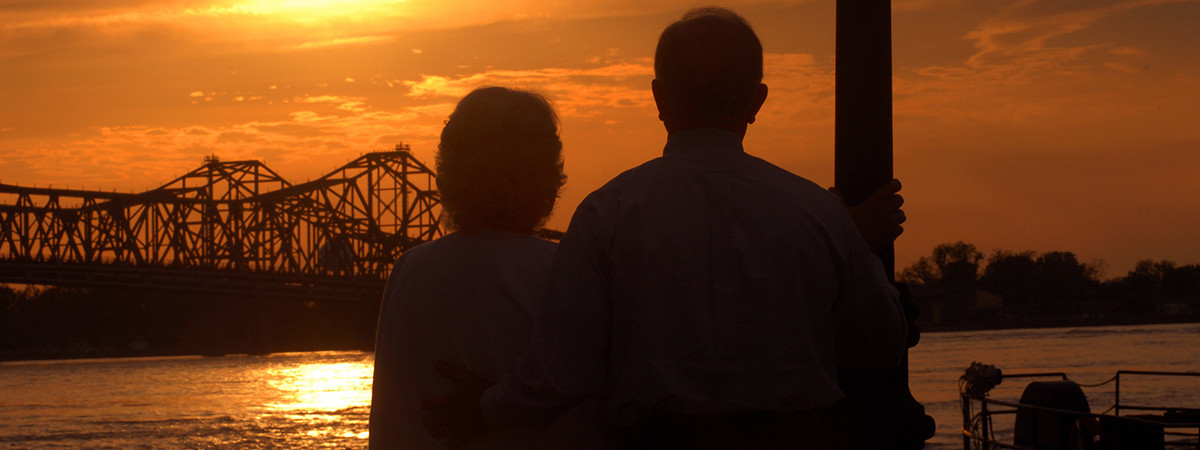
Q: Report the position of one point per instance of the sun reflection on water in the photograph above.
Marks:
(323, 387)
(322, 399)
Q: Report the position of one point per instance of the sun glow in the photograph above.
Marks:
(312, 11)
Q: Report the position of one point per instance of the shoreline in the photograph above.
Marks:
(1043, 323)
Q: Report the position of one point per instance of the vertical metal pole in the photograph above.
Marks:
(1117, 395)
(863, 163)
(985, 430)
(965, 404)
(863, 105)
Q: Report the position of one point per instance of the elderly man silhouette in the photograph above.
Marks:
(705, 298)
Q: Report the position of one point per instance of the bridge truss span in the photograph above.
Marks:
(232, 216)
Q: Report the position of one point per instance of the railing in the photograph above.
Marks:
(1164, 426)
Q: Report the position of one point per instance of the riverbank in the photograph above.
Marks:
(1012, 323)
(73, 324)
(358, 340)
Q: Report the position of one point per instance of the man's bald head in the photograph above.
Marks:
(709, 66)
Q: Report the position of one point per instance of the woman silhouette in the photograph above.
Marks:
(470, 298)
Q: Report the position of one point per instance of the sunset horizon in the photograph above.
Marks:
(1031, 126)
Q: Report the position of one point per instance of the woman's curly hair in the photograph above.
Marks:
(499, 163)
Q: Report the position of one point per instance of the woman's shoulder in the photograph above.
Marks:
(459, 246)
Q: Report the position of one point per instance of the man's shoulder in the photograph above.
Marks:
(805, 189)
(750, 166)
(763, 167)
(632, 177)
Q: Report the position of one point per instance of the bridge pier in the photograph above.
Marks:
(237, 326)
(259, 327)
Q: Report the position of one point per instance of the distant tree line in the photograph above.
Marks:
(956, 286)
(1054, 283)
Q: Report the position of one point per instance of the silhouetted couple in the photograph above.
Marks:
(701, 300)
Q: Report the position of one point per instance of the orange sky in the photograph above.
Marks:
(1023, 125)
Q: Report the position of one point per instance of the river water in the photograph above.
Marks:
(306, 400)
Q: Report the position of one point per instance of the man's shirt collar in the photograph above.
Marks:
(703, 142)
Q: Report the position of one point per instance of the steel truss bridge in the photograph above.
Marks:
(228, 227)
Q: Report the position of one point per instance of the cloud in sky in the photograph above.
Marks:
(1055, 108)
(322, 127)
(581, 92)
(1021, 34)
(1041, 62)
